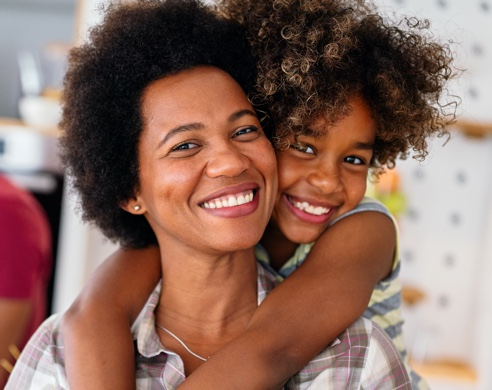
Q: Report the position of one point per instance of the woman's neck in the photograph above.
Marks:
(206, 300)
(279, 248)
(209, 287)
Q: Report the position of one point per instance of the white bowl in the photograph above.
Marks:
(39, 111)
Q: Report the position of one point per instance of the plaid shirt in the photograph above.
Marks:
(362, 357)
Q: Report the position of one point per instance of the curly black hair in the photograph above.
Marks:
(136, 44)
(314, 55)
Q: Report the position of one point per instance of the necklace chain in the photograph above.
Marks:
(182, 343)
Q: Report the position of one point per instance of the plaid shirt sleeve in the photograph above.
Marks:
(385, 368)
(41, 364)
(363, 357)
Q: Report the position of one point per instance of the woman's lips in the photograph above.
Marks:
(233, 205)
(229, 200)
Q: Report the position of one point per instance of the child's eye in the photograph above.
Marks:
(247, 133)
(303, 148)
(354, 160)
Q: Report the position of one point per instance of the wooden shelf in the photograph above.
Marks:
(54, 132)
(412, 295)
(473, 129)
(446, 369)
(10, 122)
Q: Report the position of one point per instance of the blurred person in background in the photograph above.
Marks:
(25, 265)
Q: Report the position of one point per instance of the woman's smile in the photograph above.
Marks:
(230, 201)
(234, 202)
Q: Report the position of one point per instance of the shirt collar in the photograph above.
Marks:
(148, 342)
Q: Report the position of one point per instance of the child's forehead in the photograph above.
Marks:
(319, 125)
(356, 112)
(316, 130)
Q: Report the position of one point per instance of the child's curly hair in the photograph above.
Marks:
(137, 43)
(314, 55)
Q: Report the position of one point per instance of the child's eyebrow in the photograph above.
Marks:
(365, 145)
(308, 132)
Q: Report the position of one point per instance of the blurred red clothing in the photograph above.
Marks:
(25, 251)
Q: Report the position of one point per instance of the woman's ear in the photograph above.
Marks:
(133, 206)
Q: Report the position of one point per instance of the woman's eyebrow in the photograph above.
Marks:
(239, 114)
(199, 126)
(180, 129)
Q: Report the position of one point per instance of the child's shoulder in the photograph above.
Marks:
(366, 204)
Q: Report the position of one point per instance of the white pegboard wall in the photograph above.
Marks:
(483, 324)
(447, 254)
(446, 233)
(468, 26)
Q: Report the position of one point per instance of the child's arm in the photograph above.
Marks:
(96, 331)
(328, 292)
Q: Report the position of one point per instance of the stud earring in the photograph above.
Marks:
(136, 207)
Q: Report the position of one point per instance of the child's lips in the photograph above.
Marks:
(309, 211)
(309, 207)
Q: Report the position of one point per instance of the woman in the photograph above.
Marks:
(157, 128)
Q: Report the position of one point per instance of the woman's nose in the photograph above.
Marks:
(227, 161)
(327, 179)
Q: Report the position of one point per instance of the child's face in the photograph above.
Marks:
(323, 175)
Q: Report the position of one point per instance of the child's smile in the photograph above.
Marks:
(307, 210)
(323, 174)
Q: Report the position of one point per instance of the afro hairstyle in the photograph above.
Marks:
(137, 43)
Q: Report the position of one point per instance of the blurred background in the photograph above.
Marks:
(444, 205)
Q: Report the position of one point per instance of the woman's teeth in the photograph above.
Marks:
(230, 201)
(310, 209)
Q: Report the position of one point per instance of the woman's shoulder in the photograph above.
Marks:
(42, 361)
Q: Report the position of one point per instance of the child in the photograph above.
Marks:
(345, 91)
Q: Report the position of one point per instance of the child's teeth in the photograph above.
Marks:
(306, 207)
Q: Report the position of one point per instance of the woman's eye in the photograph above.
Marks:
(303, 148)
(247, 133)
(185, 146)
(354, 160)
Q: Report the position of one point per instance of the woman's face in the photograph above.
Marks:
(208, 174)
(324, 174)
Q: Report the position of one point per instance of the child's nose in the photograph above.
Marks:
(327, 179)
